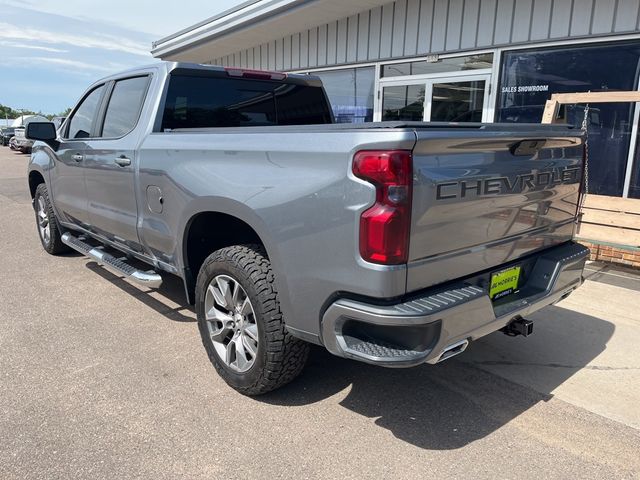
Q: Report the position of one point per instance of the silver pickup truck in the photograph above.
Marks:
(392, 243)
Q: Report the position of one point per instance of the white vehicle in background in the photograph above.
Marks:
(19, 141)
(23, 120)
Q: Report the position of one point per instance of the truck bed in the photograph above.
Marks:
(524, 205)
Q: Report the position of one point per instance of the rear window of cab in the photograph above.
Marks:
(202, 102)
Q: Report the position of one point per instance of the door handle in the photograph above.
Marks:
(123, 161)
(78, 157)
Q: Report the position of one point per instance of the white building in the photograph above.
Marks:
(23, 120)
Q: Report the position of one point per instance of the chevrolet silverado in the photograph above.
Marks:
(393, 243)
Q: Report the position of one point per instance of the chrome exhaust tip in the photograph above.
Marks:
(453, 350)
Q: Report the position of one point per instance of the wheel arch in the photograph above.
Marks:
(35, 178)
(207, 230)
(40, 164)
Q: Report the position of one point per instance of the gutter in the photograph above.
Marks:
(220, 25)
(202, 23)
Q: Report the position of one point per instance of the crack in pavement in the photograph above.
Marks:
(554, 365)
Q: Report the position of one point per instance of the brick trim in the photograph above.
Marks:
(612, 254)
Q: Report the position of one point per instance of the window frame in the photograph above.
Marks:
(107, 100)
(65, 133)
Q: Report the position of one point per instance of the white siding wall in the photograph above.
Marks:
(416, 27)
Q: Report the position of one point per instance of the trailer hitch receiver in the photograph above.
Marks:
(518, 326)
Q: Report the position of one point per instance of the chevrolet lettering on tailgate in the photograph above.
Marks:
(499, 185)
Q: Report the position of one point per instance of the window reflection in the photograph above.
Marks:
(457, 101)
(404, 102)
(350, 92)
(124, 107)
(81, 123)
(529, 78)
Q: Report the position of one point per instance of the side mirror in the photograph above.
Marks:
(43, 131)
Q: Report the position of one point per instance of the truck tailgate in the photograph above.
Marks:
(483, 197)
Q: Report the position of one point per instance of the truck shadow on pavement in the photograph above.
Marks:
(452, 404)
(435, 407)
(175, 308)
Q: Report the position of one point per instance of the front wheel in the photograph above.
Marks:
(241, 323)
(48, 229)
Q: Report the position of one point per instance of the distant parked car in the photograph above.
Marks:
(22, 143)
(19, 125)
(5, 135)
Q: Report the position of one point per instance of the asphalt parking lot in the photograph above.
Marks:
(103, 379)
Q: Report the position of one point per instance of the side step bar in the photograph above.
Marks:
(149, 279)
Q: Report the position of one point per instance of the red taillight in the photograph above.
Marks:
(384, 227)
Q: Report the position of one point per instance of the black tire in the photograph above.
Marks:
(280, 357)
(53, 244)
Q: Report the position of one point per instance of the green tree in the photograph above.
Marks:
(8, 112)
(64, 113)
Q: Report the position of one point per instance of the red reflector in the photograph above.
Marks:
(385, 226)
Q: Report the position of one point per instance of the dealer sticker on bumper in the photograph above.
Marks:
(504, 282)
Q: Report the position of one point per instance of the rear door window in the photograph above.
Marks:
(124, 106)
(83, 119)
(200, 102)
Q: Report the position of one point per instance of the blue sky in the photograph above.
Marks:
(51, 51)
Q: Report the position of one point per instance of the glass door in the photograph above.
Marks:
(461, 98)
(403, 101)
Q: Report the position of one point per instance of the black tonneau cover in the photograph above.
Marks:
(508, 128)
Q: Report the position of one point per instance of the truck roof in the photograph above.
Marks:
(184, 67)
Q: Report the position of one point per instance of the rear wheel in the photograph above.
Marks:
(48, 228)
(241, 323)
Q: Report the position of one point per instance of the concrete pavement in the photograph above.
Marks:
(102, 379)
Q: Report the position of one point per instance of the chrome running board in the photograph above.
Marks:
(149, 279)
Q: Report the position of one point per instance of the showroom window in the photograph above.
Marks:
(529, 78)
(350, 92)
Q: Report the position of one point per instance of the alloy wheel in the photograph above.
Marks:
(231, 323)
(43, 221)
